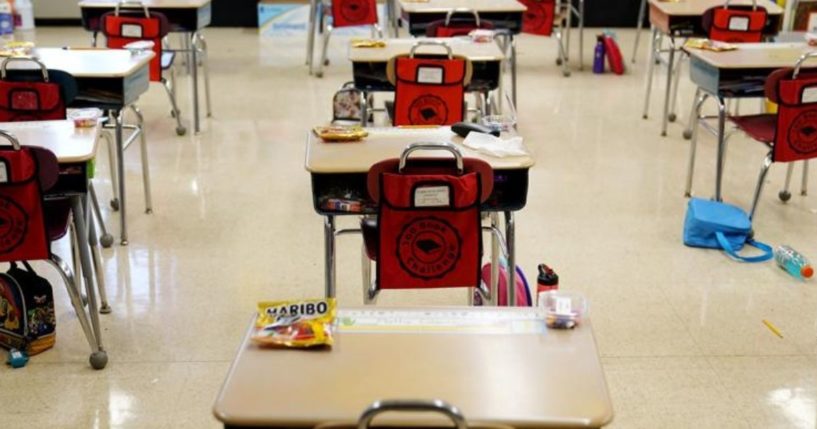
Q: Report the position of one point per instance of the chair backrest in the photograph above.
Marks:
(132, 25)
(27, 172)
(539, 17)
(34, 94)
(735, 24)
(353, 13)
(453, 26)
(795, 93)
(429, 228)
(429, 90)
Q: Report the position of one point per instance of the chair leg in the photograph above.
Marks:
(785, 195)
(639, 25)
(369, 294)
(144, 153)
(675, 83)
(562, 54)
(693, 115)
(764, 169)
(804, 185)
(113, 168)
(176, 113)
(327, 34)
(654, 46)
(693, 143)
(205, 60)
(106, 239)
(99, 358)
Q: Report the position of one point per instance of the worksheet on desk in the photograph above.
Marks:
(453, 321)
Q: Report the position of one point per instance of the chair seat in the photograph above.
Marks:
(368, 227)
(759, 127)
(57, 214)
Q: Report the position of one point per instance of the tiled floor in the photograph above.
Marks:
(679, 329)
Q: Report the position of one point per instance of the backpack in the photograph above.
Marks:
(347, 104)
(27, 319)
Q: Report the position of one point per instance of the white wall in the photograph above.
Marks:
(56, 8)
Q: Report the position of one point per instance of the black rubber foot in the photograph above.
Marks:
(180, 131)
(687, 134)
(106, 240)
(784, 196)
(115, 204)
(98, 360)
(105, 309)
(672, 117)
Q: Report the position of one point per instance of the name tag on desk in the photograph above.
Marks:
(131, 30)
(432, 196)
(430, 75)
(739, 23)
(809, 95)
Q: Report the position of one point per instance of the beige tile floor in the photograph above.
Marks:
(679, 330)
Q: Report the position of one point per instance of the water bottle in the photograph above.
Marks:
(547, 281)
(6, 20)
(24, 14)
(598, 56)
(793, 262)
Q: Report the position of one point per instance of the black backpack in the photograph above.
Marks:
(27, 319)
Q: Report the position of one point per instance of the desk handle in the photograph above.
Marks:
(10, 137)
(33, 60)
(754, 5)
(131, 3)
(431, 43)
(800, 62)
(462, 10)
(448, 147)
(434, 405)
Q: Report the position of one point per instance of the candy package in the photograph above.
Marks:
(295, 324)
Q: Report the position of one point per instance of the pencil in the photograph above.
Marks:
(772, 328)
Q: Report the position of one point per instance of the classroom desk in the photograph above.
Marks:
(497, 375)
(505, 14)
(110, 79)
(185, 16)
(684, 19)
(75, 149)
(734, 74)
(339, 171)
(369, 64)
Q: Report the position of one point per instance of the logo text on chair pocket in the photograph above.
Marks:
(429, 75)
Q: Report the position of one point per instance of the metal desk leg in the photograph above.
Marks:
(119, 118)
(98, 358)
(639, 25)
(510, 242)
(581, 35)
(804, 184)
(310, 38)
(694, 118)
(104, 307)
(668, 91)
(675, 83)
(650, 71)
(513, 70)
(194, 81)
(494, 260)
(329, 254)
(721, 147)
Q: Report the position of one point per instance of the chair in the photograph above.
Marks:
(735, 24)
(122, 28)
(429, 90)
(428, 232)
(791, 133)
(29, 226)
(549, 17)
(454, 27)
(345, 13)
(39, 95)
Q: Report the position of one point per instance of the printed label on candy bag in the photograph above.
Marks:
(296, 324)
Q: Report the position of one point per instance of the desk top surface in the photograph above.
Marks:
(437, 6)
(755, 55)
(69, 144)
(555, 377)
(463, 46)
(385, 143)
(164, 4)
(89, 62)
(698, 7)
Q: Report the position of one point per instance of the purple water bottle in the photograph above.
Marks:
(598, 56)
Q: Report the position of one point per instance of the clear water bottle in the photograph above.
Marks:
(793, 262)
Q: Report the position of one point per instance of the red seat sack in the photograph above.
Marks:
(539, 17)
(30, 101)
(22, 225)
(127, 27)
(736, 24)
(429, 91)
(429, 231)
(352, 13)
(796, 131)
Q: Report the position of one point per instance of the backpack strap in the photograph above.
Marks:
(765, 248)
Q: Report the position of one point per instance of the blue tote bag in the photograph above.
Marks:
(717, 225)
